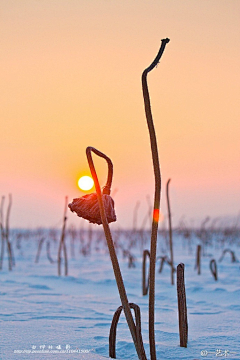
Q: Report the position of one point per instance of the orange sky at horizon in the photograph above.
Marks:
(71, 78)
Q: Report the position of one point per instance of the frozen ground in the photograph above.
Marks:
(41, 311)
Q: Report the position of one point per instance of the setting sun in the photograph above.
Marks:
(85, 183)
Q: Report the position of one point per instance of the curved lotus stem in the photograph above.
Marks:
(113, 256)
(107, 187)
(157, 175)
(113, 329)
(213, 268)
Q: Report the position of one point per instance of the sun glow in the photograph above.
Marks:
(85, 183)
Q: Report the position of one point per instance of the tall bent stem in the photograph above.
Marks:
(113, 256)
(157, 175)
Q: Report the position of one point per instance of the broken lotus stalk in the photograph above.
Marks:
(157, 175)
(106, 208)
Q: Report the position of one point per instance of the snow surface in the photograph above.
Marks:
(40, 309)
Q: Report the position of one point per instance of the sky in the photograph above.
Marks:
(71, 78)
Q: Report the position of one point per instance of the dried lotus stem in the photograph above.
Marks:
(157, 175)
(40, 244)
(233, 256)
(170, 233)
(48, 252)
(198, 260)
(87, 206)
(113, 329)
(9, 247)
(213, 268)
(145, 284)
(62, 244)
(2, 233)
(113, 256)
(182, 306)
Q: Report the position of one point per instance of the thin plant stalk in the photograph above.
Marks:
(198, 260)
(213, 268)
(113, 329)
(48, 252)
(145, 284)
(40, 244)
(233, 256)
(157, 176)
(182, 306)
(2, 232)
(170, 232)
(9, 248)
(62, 244)
(113, 256)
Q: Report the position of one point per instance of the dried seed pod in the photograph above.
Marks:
(87, 207)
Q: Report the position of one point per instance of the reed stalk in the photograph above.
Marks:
(157, 176)
(113, 256)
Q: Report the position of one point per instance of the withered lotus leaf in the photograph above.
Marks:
(87, 207)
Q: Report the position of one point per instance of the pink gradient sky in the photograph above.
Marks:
(71, 78)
